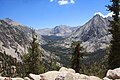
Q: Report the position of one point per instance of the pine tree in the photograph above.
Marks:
(114, 53)
(76, 57)
(32, 60)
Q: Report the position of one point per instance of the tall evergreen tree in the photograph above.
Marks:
(114, 53)
(32, 60)
(76, 58)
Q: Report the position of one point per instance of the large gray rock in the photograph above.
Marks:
(69, 76)
(83, 77)
(8, 78)
(16, 79)
(94, 78)
(63, 69)
(113, 74)
(26, 78)
(3, 78)
(51, 75)
(66, 74)
(105, 78)
(34, 77)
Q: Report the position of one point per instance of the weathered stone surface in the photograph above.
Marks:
(8, 78)
(17, 79)
(94, 78)
(105, 78)
(63, 69)
(3, 78)
(51, 75)
(83, 77)
(113, 74)
(26, 78)
(69, 76)
(34, 77)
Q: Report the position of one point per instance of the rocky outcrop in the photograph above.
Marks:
(63, 74)
(113, 74)
(68, 74)
(33, 76)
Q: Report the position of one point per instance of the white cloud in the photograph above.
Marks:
(51, 0)
(104, 16)
(63, 2)
(72, 1)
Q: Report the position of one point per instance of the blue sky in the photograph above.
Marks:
(50, 13)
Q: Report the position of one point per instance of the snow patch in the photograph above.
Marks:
(104, 16)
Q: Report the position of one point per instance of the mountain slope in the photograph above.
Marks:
(94, 34)
(97, 27)
(15, 39)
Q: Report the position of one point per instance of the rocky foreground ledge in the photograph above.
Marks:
(68, 74)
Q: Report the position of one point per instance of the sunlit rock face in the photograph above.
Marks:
(15, 38)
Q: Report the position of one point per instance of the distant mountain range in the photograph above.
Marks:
(61, 30)
(94, 36)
